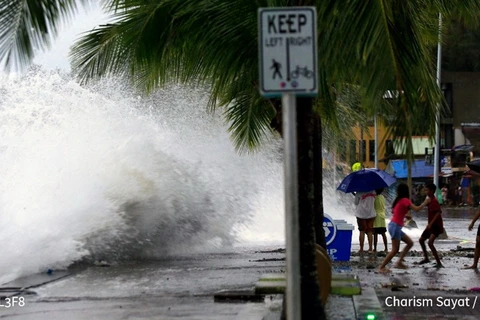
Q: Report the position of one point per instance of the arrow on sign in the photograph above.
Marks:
(327, 231)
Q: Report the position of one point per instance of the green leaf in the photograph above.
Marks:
(28, 25)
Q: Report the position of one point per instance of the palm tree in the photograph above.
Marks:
(377, 45)
(154, 44)
(27, 25)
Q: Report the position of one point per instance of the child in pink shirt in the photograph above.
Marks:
(400, 207)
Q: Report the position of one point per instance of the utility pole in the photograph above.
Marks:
(376, 140)
(436, 163)
(360, 146)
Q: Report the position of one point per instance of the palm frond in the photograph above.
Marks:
(383, 47)
(27, 25)
(375, 45)
(249, 116)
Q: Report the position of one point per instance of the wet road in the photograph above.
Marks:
(452, 277)
(176, 288)
(183, 287)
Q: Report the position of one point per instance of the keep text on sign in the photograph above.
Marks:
(288, 51)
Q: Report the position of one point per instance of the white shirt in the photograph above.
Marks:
(365, 205)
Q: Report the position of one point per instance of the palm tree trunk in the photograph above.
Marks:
(318, 182)
(309, 201)
(310, 292)
(410, 155)
(410, 163)
(409, 177)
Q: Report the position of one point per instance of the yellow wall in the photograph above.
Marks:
(367, 136)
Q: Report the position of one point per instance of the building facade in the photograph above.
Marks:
(461, 123)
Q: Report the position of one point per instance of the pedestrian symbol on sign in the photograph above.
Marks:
(276, 66)
(329, 228)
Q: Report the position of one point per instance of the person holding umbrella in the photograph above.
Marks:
(362, 183)
(400, 207)
(365, 213)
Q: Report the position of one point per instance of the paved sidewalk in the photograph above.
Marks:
(422, 291)
(181, 288)
(185, 289)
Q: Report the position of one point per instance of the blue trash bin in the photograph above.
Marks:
(338, 236)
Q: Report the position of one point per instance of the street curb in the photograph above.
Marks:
(23, 285)
(367, 303)
(344, 284)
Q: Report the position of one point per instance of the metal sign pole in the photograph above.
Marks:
(287, 43)
(289, 120)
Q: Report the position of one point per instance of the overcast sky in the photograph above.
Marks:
(57, 56)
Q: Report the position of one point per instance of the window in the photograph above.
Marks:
(342, 150)
(353, 151)
(447, 89)
(389, 150)
(371, 150)
(363, 145)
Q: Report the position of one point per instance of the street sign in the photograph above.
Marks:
(288, 51)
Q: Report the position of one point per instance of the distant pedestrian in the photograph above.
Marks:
(379, 225)
(400, 207)
(434, 227)
(452, 196)
(459, 195)
(477, 242)
(445, 194)
(356, 166)
(365, 213)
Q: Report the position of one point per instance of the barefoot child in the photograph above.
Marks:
(434, 227)
(400, 207)
(379, 226)
(477, 243)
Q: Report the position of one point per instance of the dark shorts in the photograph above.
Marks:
(380, 230)
(365, 224)
(433, 230)
(478, 231)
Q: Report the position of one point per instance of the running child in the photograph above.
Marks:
(379, 225)
(477, 243)
(400, 206)
(434, 227)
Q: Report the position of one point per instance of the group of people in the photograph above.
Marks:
(455, 197)
(371, 213)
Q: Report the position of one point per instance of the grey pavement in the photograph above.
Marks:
(185, 287)
(175, 288)
(422, 291)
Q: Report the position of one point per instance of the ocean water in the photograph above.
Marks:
(103, 173)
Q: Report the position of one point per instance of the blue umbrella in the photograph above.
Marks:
(463, 147)
(366, 180)
(474, 165)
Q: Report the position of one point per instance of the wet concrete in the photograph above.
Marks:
(175, 288)
(451, 282)
(188, 307)
(184, 287)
